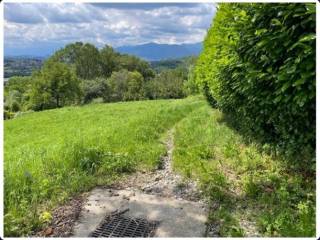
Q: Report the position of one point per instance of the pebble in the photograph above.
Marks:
(163, 181)
(48, 231)
(126, 198)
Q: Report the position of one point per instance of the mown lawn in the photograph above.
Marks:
(52, 155)
(243, 183)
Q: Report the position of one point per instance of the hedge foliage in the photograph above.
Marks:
(258, 63)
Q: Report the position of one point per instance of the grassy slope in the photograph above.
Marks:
(53, 154)
(246, 184)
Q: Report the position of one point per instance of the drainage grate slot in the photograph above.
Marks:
(117, 224)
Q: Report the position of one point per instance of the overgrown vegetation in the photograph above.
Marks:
(252, 149)
(51, 155)
(258, 65)
(243, 183)
(80, 73)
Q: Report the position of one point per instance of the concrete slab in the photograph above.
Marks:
(178, 218)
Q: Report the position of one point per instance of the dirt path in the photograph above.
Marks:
(159, 195)
(161, 182)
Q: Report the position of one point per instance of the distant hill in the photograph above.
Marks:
(21, 65)
(166, 64)
(149, 51)
(155, 52)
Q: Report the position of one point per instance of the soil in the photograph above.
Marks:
(163, 181)
(64, 218)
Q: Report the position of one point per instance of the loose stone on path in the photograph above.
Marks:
(160, 195)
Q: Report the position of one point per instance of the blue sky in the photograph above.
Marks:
(41, 28)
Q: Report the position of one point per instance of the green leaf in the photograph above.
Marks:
(285, 86)
(275, 22)
(308, 37)
(299, 82)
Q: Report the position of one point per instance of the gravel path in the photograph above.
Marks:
(161, 182)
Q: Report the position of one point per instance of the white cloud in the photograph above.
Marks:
(60, 23)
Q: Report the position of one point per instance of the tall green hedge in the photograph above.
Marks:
(258, 62)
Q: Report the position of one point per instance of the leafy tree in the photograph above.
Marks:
(167, 84)
(80, 70)
(87, 63)
(54, 86)
(125, 85)
(135, 87)
(90, 63)
(68, 54)
(17, 93)
(132, 63)
(190, 87)
(173, 81)
(19, 84)
(118, 84)
(109, 60)
(152, 89)
(13, 101)
(84, 58)
(95, 88)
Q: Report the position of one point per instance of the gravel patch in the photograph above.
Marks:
(163, 181)
(64, 218)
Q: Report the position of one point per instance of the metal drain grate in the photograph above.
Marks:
(117, 224)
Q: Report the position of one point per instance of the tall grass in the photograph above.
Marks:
(243, 182)
(51, 155)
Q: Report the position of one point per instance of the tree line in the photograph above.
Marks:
(80, 73)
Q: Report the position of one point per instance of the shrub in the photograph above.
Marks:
(7, 114)
(167, 84)
(258, 63)
(95, 88)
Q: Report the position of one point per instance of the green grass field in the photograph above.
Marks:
(53, 155)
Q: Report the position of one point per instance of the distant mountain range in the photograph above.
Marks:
(155, 52)
(149, 51)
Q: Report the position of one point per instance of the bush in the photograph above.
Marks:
(167, 84)
(125, 85)
(15, 107)
(258, 63)
(7, 114)
(95, 88)
(134, 87)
